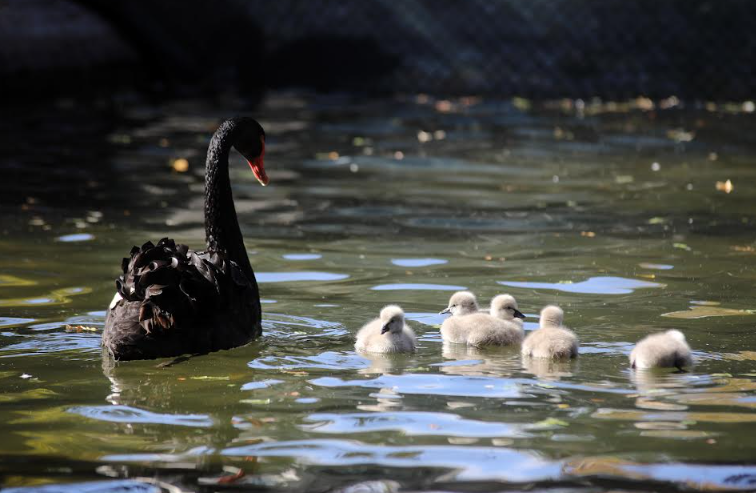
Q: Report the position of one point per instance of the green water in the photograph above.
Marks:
(613, 213)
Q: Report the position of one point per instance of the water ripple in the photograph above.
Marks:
(470, 463)
(128, 414)
(410, 423)
(449, 385)
(593, 285)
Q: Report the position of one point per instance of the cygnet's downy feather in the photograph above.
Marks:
(552, 340)
(662, 350)
(468, 325)
(388, 333)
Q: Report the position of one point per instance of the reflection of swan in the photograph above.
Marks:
(663, 350)
(552, 340)
(388, 333)
(478, 362)
(386, 363)
(549, 369)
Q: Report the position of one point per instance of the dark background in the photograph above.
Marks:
(541, 49)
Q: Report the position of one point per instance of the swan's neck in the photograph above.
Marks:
(222, 231)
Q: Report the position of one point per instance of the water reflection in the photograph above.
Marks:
(593, 285)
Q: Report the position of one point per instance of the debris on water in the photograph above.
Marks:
(588, 234)
(682, 246)
(80, 328)
(679, 135)
(743, 248)
(25, 376)
(208, 377)
(724, 186)
(655, 166)
(707, 311)
(180, 165)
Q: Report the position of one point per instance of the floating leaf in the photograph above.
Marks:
(682, 246)
(724, 186)
(707, 311)
(549, 423)
(255, 402)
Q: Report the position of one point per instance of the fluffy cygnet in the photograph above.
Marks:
(552, 340)
(462, 303)
(468, 325)
(508, 331)
(386, 334)
(662, 350)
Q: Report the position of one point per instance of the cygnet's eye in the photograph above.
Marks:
(453, 306)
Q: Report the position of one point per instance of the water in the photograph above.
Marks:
(613, 213)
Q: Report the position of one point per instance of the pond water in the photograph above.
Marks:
(633, 220)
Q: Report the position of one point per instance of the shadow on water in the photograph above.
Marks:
(608, 212)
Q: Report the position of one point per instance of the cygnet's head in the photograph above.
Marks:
(552, 316)
(676, 334)
(504, 306)
(461, 303)
(392, 317)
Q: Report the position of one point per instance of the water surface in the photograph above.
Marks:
(602, 211)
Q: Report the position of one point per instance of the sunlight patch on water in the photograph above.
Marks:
(593, 285)
(302, 256)
(56, 297)
(329, 360)
(76, 237)
(418, 262)
(112, 486)
(469, 463)
(264, 384)
(14, 321)
(647, 265)
(266, 277)
(9, 281)
(410, 423)
(413, 287)
(412, 383)
(128, 414)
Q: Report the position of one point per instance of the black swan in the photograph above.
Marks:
(176, 301)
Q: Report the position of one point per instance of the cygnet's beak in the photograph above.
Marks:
(385, 329)
(518, 314)
(445, 310)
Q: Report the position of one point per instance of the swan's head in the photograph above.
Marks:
(250, 142)
(392, 317)
(461, 303)
(505, 306)
(552, 316)
(676, 334)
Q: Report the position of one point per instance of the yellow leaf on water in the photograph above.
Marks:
(725, 186)
(707, 311)
(180, 165)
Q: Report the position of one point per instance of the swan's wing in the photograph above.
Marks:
(174, 285)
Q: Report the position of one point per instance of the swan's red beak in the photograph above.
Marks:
(258, 166)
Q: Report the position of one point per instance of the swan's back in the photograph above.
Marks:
(177, 301)
(663, 350)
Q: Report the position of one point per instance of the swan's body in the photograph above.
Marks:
(386, 334)
(552, 340)
(468, 325)
(663, 350)
(175, 300)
